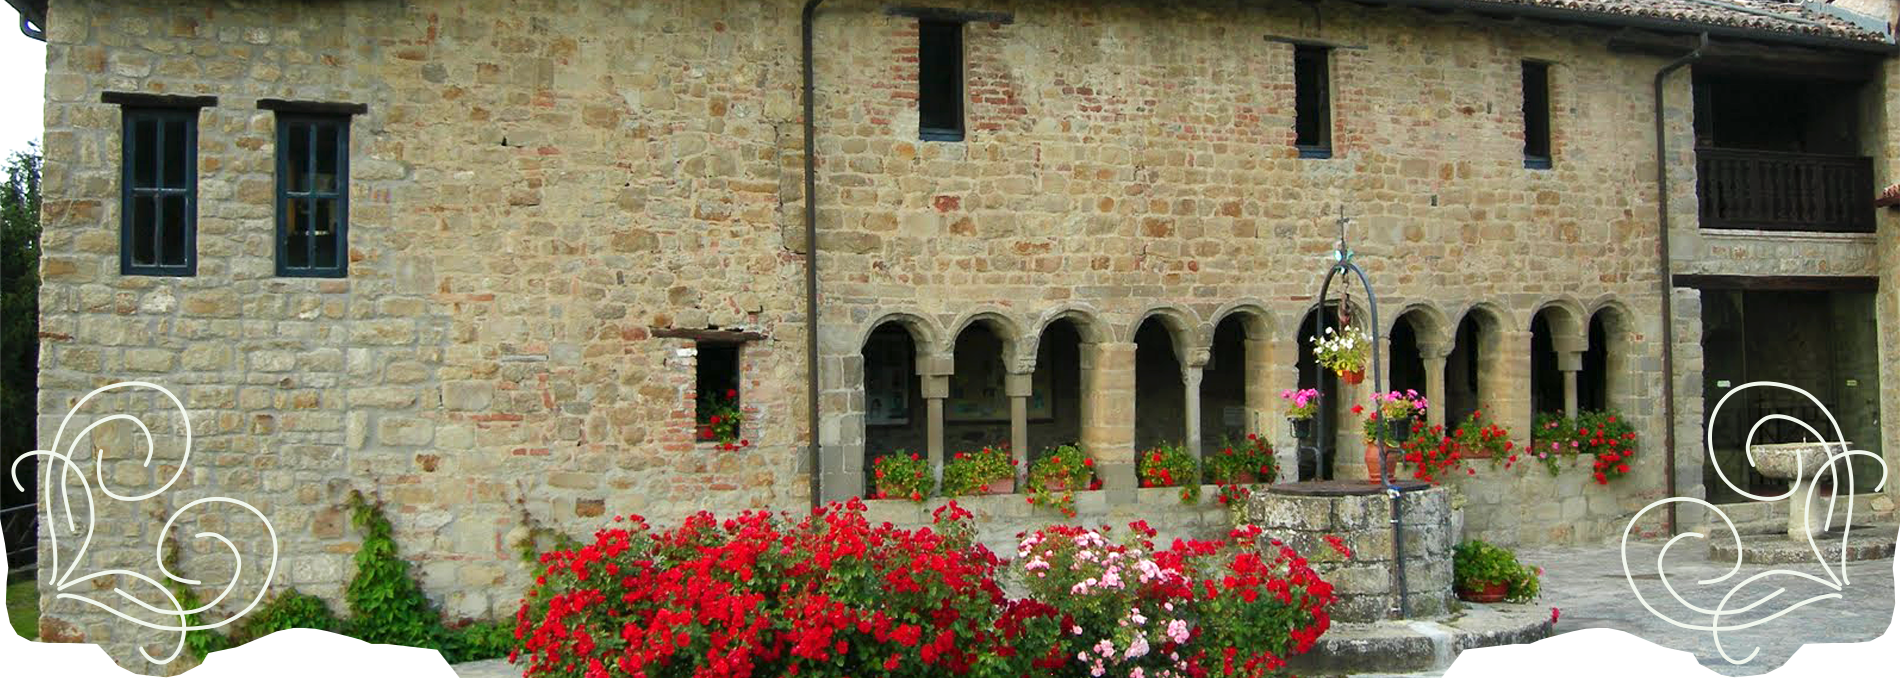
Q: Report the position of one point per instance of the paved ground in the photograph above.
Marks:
(1589, 587)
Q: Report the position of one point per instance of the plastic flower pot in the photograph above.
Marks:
(1352, 376)
(1489, 593)
(1302, 428)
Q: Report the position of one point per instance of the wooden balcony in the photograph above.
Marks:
(1762, 190)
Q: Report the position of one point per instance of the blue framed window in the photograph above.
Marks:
(313, 202)
(158, 221)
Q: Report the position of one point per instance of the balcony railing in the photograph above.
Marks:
(1762, 190)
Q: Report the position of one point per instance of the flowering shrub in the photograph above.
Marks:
(1477, 564)
(1057, 475)
(1301, 404)
(832, 595)
(1200, 608)
(1432, 451)
(1388, 408)
(1600, 433)
(722, 419)
(1171, 465)
(973, 472)
(1235, 461)
(1344, 351)
(1481, 438)
(901, 475)
(758, 595)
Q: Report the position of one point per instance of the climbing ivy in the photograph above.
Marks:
(386, 605)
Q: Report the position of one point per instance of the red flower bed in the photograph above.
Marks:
(833, 595)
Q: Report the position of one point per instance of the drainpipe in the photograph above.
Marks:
(1668, 283)
(811, 258)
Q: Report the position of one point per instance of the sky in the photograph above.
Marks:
(22, 84)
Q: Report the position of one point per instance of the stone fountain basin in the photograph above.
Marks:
(1787, 460)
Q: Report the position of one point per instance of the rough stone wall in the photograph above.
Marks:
(1887, 304)
(1129, 161)
(539, 186)
(536, 188)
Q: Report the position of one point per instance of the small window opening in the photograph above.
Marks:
(716, 382)
(940, 80)
(1312, 97)
(1536, 115)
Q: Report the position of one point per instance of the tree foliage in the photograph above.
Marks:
(19, 307)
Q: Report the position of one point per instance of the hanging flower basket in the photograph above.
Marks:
(1344, 352)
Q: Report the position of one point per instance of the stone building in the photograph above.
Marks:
(482, 258)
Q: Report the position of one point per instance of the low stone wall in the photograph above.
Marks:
(1757, 516)
(999, 518)
(1364, 582)
(1526, 506)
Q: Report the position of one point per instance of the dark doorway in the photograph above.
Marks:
(1820, 341)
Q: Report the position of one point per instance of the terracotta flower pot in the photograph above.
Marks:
(1245, 477)
(1352, 377)
(1373, 472)
(1488, 594)
(1001, 486)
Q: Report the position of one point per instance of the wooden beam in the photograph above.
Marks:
(164, 101)
(1795, 283)
(710, 335)
(945, 14)
(313, 107)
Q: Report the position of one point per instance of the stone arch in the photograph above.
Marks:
(1476, 370)
(1605, 380)
(1256, 319)
(1418, 339)
(1428, 323)
(1007, 329)
(1234, 385)
(1090, 327)
(1566, 315)
(1183, 326)
(927, 334)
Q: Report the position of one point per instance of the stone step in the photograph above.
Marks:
(1397, 647)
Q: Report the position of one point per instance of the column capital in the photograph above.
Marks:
(1434, 350)
(1570, 360)
(936, 386)
(1197, 358)
(1191, 375)
(935, 365)
(1018, 384)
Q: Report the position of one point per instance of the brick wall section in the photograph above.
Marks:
(539, 185)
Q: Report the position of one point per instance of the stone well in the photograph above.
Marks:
(1359, 513)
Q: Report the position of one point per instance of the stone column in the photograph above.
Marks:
(1017, 386)
(1504, 382)
(1263, 411)
(1434, 355)
(1108, 426)
(934, 372)
(1191, 373)
(1281, 368)
(1569, 361)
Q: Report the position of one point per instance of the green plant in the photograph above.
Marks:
(1476, 564)
(973, 472)
(285, 610)
(1057, 475)
(386, 605)
(1172, 465)
(23, 607)
(901, 475)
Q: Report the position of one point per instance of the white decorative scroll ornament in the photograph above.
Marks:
(1828, 587)
(67, 470)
